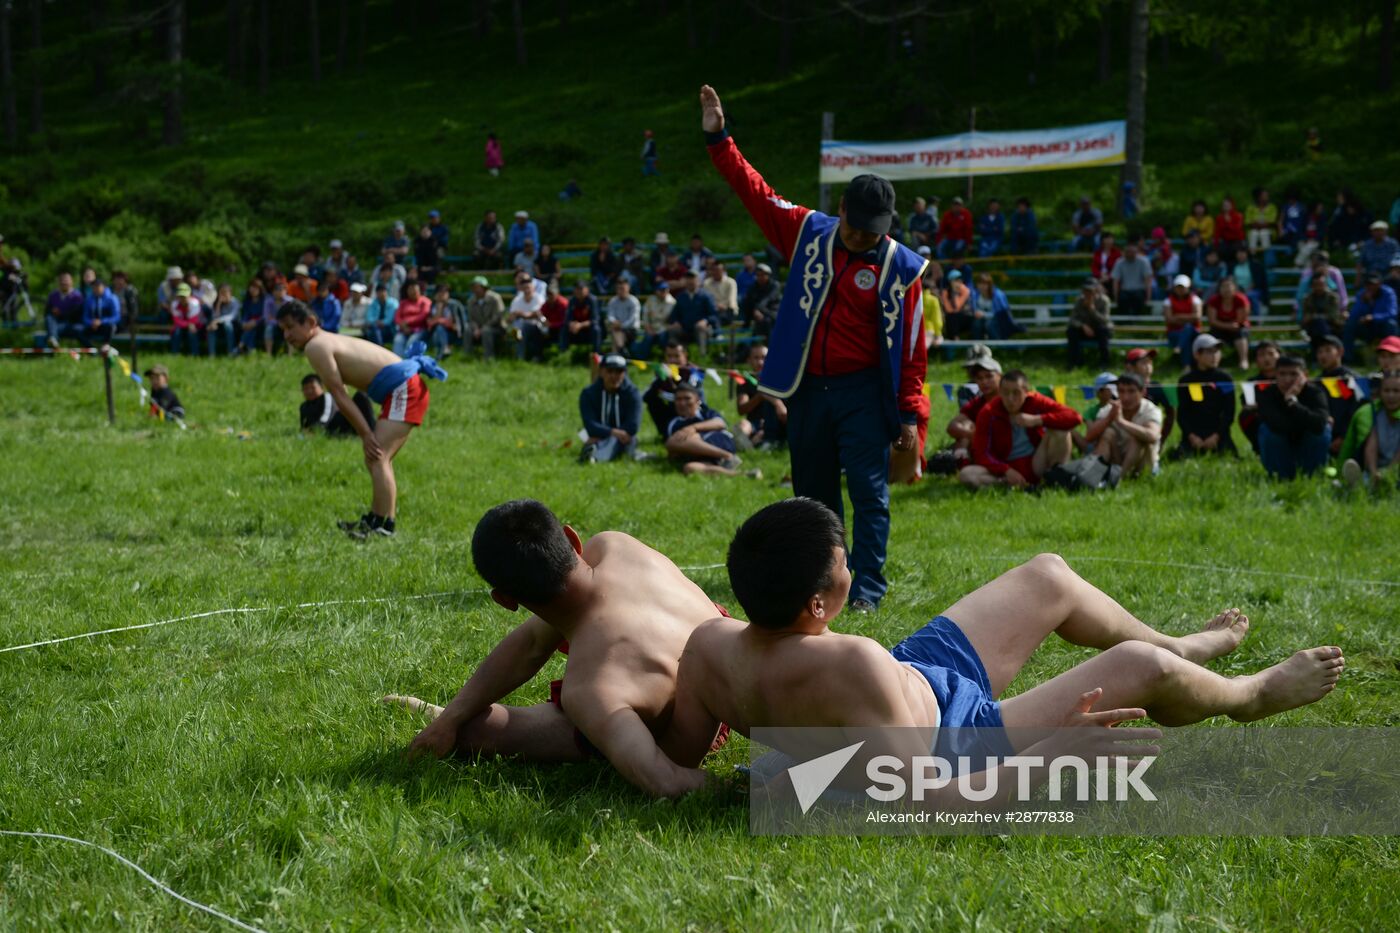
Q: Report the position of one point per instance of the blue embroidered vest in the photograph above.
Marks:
(804, 296)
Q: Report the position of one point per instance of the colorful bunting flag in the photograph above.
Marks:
(1196, 390)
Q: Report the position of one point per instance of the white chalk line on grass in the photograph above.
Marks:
(156, 882)
(1213, 568)
(248, 609)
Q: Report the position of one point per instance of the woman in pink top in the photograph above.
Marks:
(494, 161)
(411, 319)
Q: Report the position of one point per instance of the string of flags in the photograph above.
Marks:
(675, 371)
(1343, 387)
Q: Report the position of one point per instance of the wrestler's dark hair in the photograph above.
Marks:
(519, 548)
(781, 557)
(297, 311)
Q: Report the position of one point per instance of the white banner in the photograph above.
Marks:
(977, 153)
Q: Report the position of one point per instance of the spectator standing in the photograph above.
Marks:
(1377, 253)
(582, 325)
(656, 319)
(485, 319)
(494, 160)
(185, 321)
(396, 245)
(1295, 431)
(694, 317)
(1260, 219)
(1343, 405)
(759, 307)
(102, 314)
(762, 418)
(1085, 225)
(1132, 280)
(223, 318)
(445, 321)
(425, 255)
(1089, 319)
(697, 259)
(624, 315)
(723, 291)
(1130, 429)
(603, 266)
(1183, 311)
(526, 316)
(380, 316)
(523, 229)
(1207, 415)
(1143, 361)
(488, 242)
(922, 226)
(411, 318)
(954, 231)
(1020, 435)
(1320, 312)
(1229, 228)
(63, 315)
(1228, 314)
(1105, 258)
(611, 408)
(1025, 234)
(1372, 315)
(991, 229)
(1199, 221)
(1266, 357)
(649, 154)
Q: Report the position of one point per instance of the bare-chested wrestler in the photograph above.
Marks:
(787, 566)
(395, 383)
(620, 610)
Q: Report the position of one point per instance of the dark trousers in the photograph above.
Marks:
(1074, 341)
(589, 336)
(837, 422)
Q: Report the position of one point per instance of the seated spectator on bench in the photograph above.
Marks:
(922, 226)
(379, 316)
(723, 291)
(1025, 235)
(763, 419)
(582, 326)
(1229, 228)
(223, 317)
(656, 320)
(1089, 319)
(759, 306)
(1380, 452)
(523, 229)
(671, 271)
(991, 229)
(1295, 430)
(986, 373)
(489, 242)
(1342, 407)
(102, 313)
(1266, 357)
(485, 322)
(202, 289)
(1132, 280)
(1209, 273)
(1020, 435)
(991, 312)
(698, 439)
(1130, 429)
(164, 402)
(1105, 260)
(958, 319)
(427, 255)
(1165, 263)
(128, 297)
(1377, 252)
(1143, 361)
(1205, 424)
(546, 264)
(526, 316)
(932, 305)
(353, 308)
(1199, 222)
(624, 317)
(660, 397)
(445, 321)
(1085, 225)
(395, 247)
(63, 311)
(1260, 219)
(1193, 253)
(633, 265)
(165, 291)
(603, 266)
(411, 319)
(1372, 315)
(694, 317)
(611, 408)
(954, 231)
(697, 259)
(1320, 312)
(1182, 312)
(1228, 314)
(186, 319)
(319, 411)
(327, 307)
(555, 311)
(1250, 278)
(524, 261)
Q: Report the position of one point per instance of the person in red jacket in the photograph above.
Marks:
(1020, 434)
(1105, 258)
(954, 231)
(1229, 228)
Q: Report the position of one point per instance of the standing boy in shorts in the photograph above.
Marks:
(394, 383)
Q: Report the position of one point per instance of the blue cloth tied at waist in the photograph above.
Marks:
(396, 374)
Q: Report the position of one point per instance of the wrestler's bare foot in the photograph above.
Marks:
(1305, 678)
(1220, 636)
(412, 704)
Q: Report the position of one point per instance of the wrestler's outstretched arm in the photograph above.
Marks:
(512, 663)
(619, 733)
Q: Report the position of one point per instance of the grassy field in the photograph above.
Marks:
(242, 757)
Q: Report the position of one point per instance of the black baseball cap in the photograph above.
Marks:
(869, 203)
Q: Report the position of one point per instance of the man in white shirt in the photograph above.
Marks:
(624, 316)
(1132, 428)
(528, 320)
(723, 290)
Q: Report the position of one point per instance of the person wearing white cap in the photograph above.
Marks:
(1182, 309)
(336, 258)
(523, 229)
(165, 291)
(1205, 421)
(1377, 252)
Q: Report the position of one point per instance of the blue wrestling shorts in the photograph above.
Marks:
(970, 717)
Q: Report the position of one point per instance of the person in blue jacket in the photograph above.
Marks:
(992, 312)
(612, 413)
(102, 312)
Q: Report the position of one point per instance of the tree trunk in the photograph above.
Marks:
(1105, 46)
(174, 132)
(36, 52)
(313, 29)
(1387, 49)
(363, 37)
(342, 41)
(7, 78)
(1137, 93)
(517, 21)
(264, 52)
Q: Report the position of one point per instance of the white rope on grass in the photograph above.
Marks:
(156, 882)
(1211, 567)
(250, 609)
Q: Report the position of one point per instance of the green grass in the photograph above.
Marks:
(242, 758)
